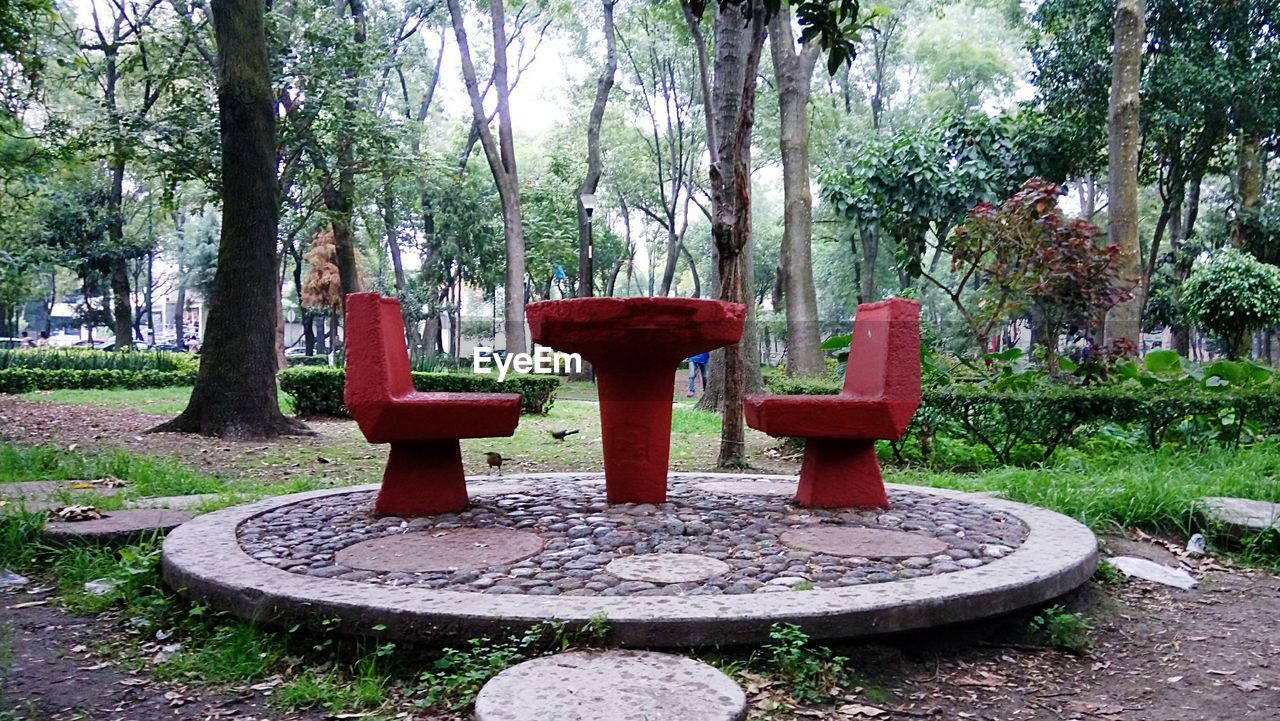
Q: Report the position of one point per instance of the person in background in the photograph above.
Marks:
(698, 367)
(26, 341)
(43, 340)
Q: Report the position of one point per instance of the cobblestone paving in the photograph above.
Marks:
(582, 534)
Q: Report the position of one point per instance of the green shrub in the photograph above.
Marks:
(96, 360)
(318, 391)
(27, 380)
(1028, 425)
(294, 361)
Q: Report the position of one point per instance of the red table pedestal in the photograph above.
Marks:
(635, 345)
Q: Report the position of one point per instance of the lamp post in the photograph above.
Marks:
(586, 251)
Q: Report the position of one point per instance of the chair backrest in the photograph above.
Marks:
(884, 352)
(377, 354)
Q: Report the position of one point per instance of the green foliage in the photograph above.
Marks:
(1232, 294)
(76, 359)
(145, 475)
(27, 380)
(295, 361)
(129, 575)
(812, 674)
(20, 533)
(1031, 256)
(1060, 629)
(1019, 418)
(318, 391)
(459, 673)
(1109, 574)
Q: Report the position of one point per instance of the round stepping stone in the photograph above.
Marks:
(441, 550)
(172, 501)
(496, 489)
(862, 542)
(115, 527)
(611, 686)
(750, 488)
(1239, 516)
(667, 567)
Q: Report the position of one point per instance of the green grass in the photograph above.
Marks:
(1153, 490)
(160, 401)
(145, 475)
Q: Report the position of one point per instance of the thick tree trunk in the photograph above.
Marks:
(235, 394)
(1124, 322)
(794, 72)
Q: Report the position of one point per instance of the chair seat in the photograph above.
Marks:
(438, 416)
(830, 416)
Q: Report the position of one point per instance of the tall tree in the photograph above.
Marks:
(1124, 321)
(730, 115)
(133, 62)
(235, 394)
(500, 152)
(794, 73)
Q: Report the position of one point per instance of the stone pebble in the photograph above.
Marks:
(582, 533)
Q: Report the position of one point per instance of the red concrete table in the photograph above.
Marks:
(635, 345)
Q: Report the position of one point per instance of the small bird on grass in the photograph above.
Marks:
(560, 435)
(495, 460)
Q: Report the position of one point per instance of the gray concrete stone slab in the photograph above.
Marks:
(866, 542)
(115, 527)
(442, 550)
(667, 567)
(611, 686)
(204, 560)
(175, 502)
(1240, 515)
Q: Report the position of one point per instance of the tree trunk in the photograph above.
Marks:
(235, 394)
(1248, 187)
(179, 312)
(870, 254)
(730, 115)
(794, 72)
(501, 155)
(586, 278)
(1125, 320)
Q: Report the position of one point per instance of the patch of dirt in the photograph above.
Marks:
(54, 674)
(337, 454)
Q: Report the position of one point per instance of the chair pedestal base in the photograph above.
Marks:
(840, 473)
(423, 479)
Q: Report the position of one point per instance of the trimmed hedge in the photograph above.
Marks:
(26, 380)
(86, 359)
(294, 361)
(1032, 424)
(318, 391)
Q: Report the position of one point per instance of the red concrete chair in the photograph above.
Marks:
(424, 471)
(881, 393)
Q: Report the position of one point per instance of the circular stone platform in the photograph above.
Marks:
(935, 557)
(611, 686)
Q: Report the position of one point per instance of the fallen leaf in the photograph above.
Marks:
(27, 604)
